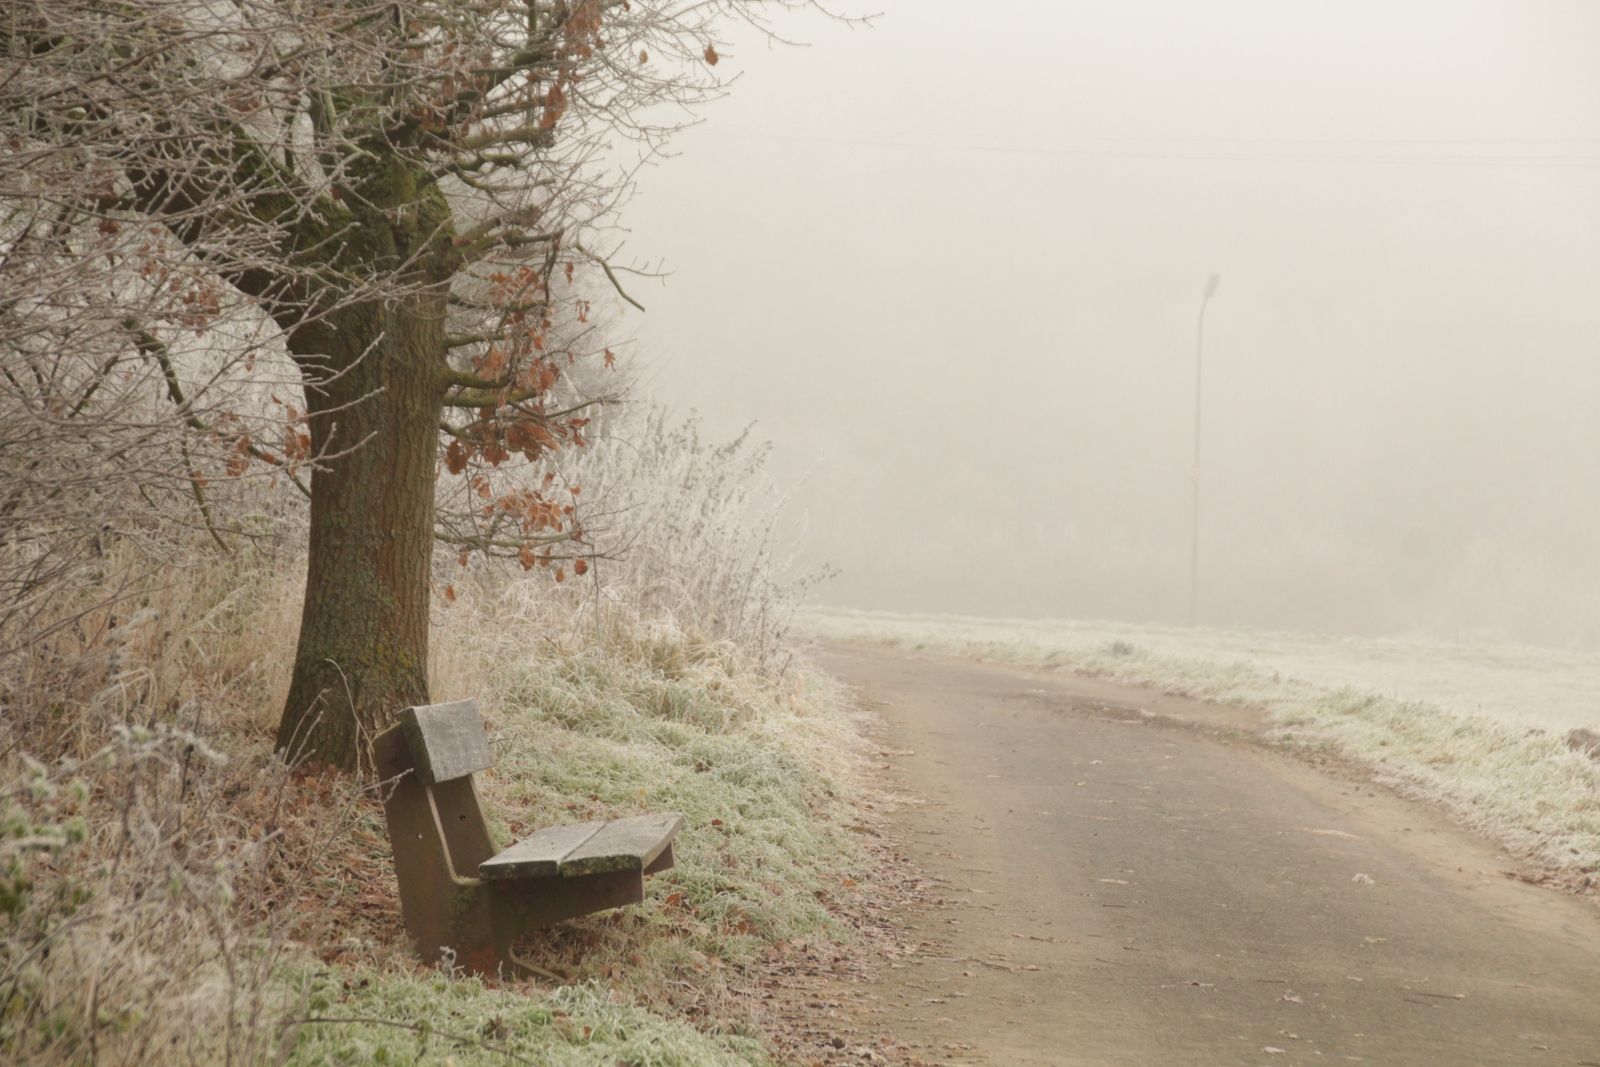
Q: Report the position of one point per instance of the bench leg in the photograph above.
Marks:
(481, 937)
(483, 924)
(465, 925)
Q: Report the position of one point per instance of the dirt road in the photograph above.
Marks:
(1133, 879)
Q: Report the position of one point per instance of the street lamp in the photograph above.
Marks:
(1194, 527)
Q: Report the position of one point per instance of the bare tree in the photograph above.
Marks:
(396, 200)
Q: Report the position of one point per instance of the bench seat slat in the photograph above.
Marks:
(584, 848)
(539, 855)
(623, 845)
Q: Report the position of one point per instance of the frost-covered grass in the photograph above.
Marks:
(600, 725)
(1517, 685)
(383, 1018)
(1478, 729)
(647, 718)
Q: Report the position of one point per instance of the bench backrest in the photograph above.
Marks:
(435, 820)
(447, 741)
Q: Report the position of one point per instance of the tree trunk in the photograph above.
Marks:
(374, 385)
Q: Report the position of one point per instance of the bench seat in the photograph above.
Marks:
(585, 848)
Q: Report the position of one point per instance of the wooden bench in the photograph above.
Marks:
(458, 892)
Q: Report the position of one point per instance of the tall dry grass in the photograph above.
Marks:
(140, 851)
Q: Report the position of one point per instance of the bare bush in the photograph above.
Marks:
(680, 532)
(121, 940)
(148, 838)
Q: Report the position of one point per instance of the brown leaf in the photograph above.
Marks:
(555, 104)
(455, 457)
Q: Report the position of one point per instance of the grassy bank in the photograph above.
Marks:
(169, 893)
(1477, 730)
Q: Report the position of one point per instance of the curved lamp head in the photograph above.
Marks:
(1211, 285)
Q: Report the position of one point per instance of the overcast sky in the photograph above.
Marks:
(951, 266)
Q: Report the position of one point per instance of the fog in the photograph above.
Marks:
(951, 267)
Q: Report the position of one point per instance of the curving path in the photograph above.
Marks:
(1133, 879)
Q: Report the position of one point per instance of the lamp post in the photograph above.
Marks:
(1194, 527)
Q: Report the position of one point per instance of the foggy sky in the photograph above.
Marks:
(951, 266)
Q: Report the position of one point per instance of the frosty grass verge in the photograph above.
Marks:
(1477, 729)
(220, 940)
(644, 717)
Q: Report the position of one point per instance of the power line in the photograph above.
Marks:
(1112, 149)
